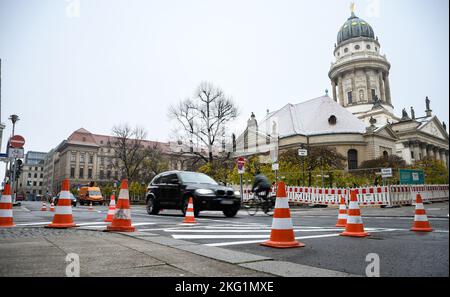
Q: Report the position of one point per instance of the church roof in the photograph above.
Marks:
(313, 117)
(354, 27)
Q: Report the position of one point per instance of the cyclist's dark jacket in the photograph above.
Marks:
(261, 183)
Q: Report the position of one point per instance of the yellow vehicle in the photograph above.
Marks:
(87, 194)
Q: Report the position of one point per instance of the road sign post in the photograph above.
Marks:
(241, 171)
(302, 153)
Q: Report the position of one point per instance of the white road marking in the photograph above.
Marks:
(247, 231)
(33, 224)
(258, 241)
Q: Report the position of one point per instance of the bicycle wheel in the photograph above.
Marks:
(252, 206)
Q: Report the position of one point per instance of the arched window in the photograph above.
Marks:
(385, 154)
(352, 159)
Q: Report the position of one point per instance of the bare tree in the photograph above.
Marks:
(203, 118)
(128, 147)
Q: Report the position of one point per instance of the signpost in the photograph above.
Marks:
(302, 153)
(386, 172)
(241, 170)
(15, 151)
(16, 141)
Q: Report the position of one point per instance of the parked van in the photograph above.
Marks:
(87, 194)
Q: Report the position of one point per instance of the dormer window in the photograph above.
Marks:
(332, 120)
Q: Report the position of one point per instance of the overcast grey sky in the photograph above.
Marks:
(116, 61)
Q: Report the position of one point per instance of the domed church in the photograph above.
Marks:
(359, 120)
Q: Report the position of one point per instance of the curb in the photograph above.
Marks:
(242, 259)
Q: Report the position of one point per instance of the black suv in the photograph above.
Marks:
(172, 190)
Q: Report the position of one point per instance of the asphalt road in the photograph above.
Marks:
(401, 252)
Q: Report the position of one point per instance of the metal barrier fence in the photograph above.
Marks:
(393, 195)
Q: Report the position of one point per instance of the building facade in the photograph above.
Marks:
(359, 120)
(31, 181)
(84, 157)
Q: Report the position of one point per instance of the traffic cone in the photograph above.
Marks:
(282, 233)
(111, 210)
(420, 218)
(52, 207)
(6, 213)
(122, 217)
(355, 226)
(342, 216)
(44, 206)
(63, 215)
(90, 208)
(189, 217)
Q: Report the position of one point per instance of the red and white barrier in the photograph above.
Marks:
(381, 195)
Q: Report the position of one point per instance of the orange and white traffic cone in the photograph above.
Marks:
(90, 208)
(189, 217)
(282, 233)
(111, 210)
(6, 212)
(52, 207)
(44, 206)
(63, 215)
(122, 217)
(355, 226)
(342, 216)
(421, 223)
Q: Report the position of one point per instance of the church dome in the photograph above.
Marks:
(354, 27)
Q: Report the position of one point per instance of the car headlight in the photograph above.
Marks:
(237, 193)
(204, 192)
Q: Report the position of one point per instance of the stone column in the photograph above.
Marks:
(355, 97)
(446, 159)
(423, 147)
(388, 89)
(442, 155)
(369, 90)
(341, 91)
(436, 154)
(416, 150)
(333, 86)
(381, 84)
(430, 151)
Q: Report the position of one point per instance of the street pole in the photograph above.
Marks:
(241, 187)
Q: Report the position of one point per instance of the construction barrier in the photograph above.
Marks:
(393, 195)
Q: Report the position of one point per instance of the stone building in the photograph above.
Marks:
(84, 157)
(359, 120)
(31, 181)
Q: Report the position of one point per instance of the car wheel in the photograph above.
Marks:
(152, 208)
(81, 202)
(229, 213)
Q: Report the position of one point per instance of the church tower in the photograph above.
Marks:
(360, 75)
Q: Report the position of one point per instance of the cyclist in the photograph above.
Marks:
(261, 185)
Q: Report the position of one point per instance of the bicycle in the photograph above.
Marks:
(256, 202)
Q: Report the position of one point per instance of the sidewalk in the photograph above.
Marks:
(27, 252)
(42, 252)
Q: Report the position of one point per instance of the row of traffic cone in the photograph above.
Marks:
(282, 232)
(120, 219)
(354, 225)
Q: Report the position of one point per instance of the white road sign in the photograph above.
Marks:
(386, 172)
(15, 153)
(302, 152)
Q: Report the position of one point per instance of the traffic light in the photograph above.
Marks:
(19, 168)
